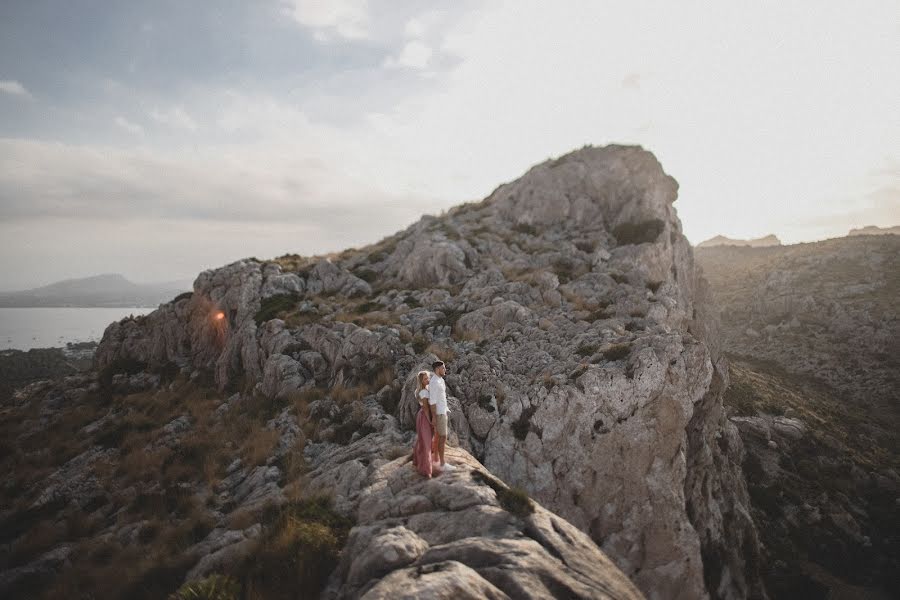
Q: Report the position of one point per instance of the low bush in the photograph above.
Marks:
(299, 549)
(638, 233)
(272, 306)
(214, 587)
(525, 228)
(511, 499)
(617, 352)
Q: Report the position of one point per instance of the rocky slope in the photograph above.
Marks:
(568, 298)
(826, 309)
(128, 497)
(812, 332)
(584, 367)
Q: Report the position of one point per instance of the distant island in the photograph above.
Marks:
(99, 291)
(721, 240)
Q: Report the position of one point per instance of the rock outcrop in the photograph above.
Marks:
(462, 534)
(584, 362)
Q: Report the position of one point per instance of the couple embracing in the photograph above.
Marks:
(431, 421)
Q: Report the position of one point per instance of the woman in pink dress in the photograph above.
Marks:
(424, 429)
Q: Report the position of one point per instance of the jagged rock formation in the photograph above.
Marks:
(584, 365)
(721, 240)
(812, 333)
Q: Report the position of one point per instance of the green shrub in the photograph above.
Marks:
(638, 233)
(525, 228)
(184, 296)
(586, 350)
(366, 307)
(272, 306)
(511, 499)
(617, 352)
(419, 343)
(214, 587)
(367, 275)
(298, 551)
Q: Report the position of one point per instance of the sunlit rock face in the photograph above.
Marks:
(584, 362)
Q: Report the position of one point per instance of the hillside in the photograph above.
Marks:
(721, 240)
(584, 368)
(826, 309)
(811, 331)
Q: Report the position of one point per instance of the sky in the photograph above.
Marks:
(158, 139)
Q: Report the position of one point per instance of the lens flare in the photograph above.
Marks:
(219, 316)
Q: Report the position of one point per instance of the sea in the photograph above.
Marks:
(27, 328)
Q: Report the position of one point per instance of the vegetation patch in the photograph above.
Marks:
(525, 228)
(273, 306)
(513, 500)
(586, 350)
(300, 547)
(214, 587)
(617, 352)
(638, 233)
(183, 296)
(366, 274)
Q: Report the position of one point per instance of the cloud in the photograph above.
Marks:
(347, 19)
(414, 55)
(176, 117)
(13, 88)
(132, 128)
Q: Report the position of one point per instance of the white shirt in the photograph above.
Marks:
(437, 395)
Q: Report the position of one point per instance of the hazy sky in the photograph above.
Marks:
(156, 139)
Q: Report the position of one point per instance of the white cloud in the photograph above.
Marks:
(176, 117)
(130, 127)
(414, 55)
(347, 19)
(13, 88)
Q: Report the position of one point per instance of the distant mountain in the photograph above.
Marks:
(721, 240)
(873, 230)
(108, 290)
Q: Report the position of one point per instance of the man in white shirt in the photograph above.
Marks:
(437, 397)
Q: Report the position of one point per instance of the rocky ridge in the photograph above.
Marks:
(584, 363)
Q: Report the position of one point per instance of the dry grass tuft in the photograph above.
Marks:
(258, 445)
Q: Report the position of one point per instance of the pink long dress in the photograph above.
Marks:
(422, 450)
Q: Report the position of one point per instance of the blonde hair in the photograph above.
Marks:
(419, 385)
